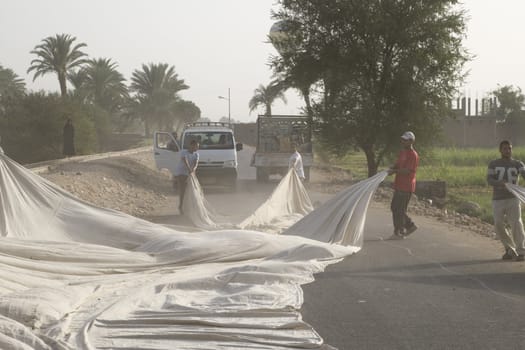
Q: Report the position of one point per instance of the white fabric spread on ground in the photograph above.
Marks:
(341, 219)
(75, 276)
(196, 207)
(288, 203)
(517, 190)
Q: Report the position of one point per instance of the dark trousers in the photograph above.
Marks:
(182, 180)
(399, 207)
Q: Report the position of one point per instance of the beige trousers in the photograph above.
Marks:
(509, 211)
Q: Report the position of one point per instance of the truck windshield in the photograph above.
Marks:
(210, 140)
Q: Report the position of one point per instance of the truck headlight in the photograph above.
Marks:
(230, 164)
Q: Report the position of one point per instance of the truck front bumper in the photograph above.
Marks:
(216, 175)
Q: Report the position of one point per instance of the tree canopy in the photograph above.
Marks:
(99, 102)
(510, 102)
(57, 54)
(10, 82)
(266, 95)
(101, 83)
(31, 126)
(373, 69)
(156, 89)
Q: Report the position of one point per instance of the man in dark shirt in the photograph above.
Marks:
(505, 206)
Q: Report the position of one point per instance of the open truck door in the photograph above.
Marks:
(166, 150)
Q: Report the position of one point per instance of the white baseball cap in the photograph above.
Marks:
(408, 135)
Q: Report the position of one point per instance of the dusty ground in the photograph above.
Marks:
(129, 184)
(133, 185)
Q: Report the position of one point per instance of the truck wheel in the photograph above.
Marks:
(307, 174)
(261, 175)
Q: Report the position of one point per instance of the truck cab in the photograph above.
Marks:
(217, 152)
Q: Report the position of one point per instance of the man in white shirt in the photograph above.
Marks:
(296, 162)
(185, 167)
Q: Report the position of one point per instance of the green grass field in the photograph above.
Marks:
(463, 169)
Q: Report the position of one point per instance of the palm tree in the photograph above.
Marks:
(10, 83)
(303, 77)
(184, 112)
(101, 83)
(156, 87)
(58, 55)
(77, 78)
(266, 96)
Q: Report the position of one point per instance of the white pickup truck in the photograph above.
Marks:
(217, 152)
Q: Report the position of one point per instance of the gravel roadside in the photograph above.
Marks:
(130, 183)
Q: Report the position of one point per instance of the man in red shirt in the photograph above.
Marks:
(404, 185)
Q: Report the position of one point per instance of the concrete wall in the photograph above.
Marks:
(463, 131)
(482, 131)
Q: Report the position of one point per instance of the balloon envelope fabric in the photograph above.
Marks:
(75, 276)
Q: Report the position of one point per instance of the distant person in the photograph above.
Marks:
(506, 207)
(296, 162)
(404, 185)
(69, 138)
(1, 150)
(207, 142)
(189, 160)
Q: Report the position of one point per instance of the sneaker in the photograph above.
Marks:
(397, 235)
(410, 229)
(520, 257)
(510, 254)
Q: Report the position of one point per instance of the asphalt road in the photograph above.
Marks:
(441, 288)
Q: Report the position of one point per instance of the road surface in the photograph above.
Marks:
(441, 288)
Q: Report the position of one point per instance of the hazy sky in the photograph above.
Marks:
(220, 44)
